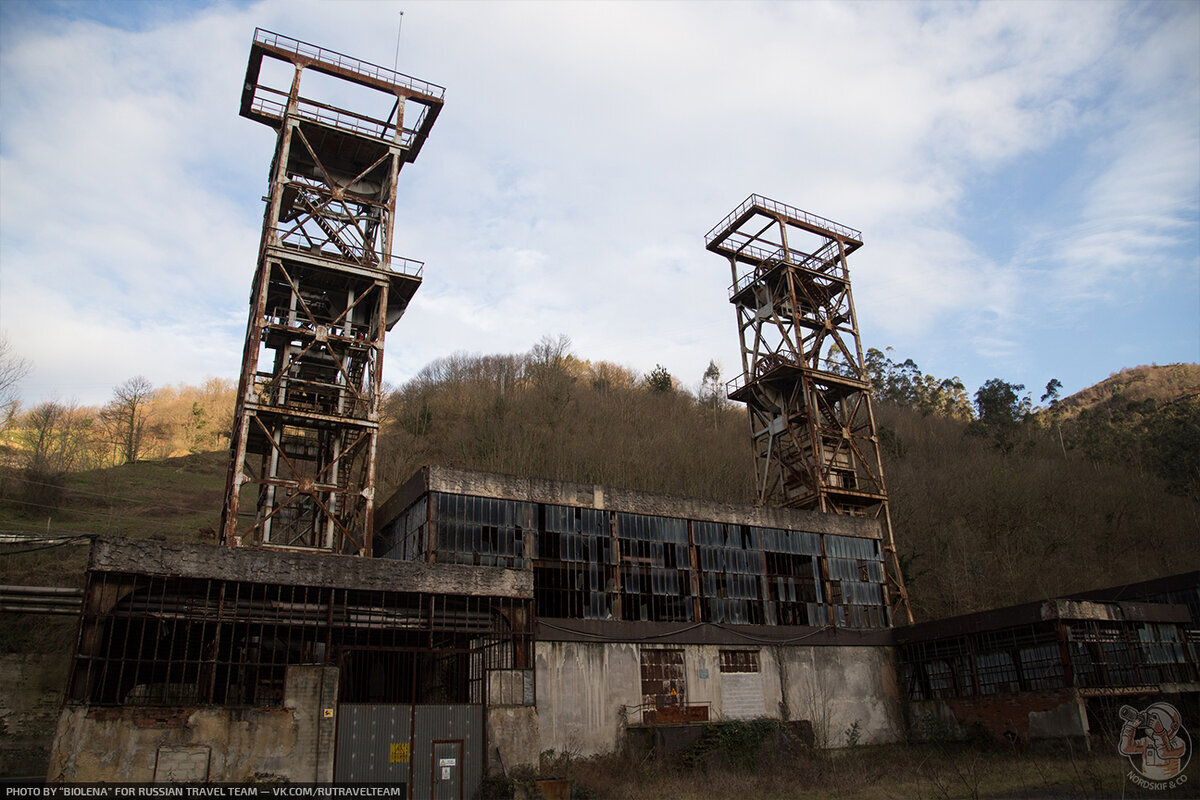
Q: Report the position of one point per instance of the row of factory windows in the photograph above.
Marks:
(1093, 654)
(596, 564)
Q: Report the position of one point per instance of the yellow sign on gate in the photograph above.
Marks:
(398, 753)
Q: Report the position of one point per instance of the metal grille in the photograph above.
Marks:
(664, 687)
(1106, 653)
(1101, 655)
(147, 640)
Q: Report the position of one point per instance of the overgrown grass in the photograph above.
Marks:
(891, 772)
(172, 499)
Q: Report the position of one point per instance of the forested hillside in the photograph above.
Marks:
(994, 501)
(996, 497)
(141, 422)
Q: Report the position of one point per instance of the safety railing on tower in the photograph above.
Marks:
(347, 63)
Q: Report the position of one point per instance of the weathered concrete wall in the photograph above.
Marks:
(1027, 716)
(1061, 608)
(584, 688)
(581, 691)
(836, 687)
(31, 695)
(294, 743)
(552, 629)
(512, 731)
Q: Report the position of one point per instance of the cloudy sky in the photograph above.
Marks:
(1026, 177)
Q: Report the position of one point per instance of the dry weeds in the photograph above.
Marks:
(894, 772)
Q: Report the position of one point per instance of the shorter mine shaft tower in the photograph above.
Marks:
(326, 291)
(803, 379)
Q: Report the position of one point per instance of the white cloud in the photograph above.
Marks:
(584, 150)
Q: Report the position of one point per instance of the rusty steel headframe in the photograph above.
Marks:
(803, 379)
(326, 291)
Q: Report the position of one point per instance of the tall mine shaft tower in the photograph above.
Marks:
(803, 378)
(326, 291)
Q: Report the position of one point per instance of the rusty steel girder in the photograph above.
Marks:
(803, 379)
(326, 291)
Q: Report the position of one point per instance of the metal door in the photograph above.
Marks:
(446, 779)
(451, 723)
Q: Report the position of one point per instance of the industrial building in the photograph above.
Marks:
(655, 610)
(502, 617)
(473, 621)
(506, 616)
(208, 663)
(1056, 669)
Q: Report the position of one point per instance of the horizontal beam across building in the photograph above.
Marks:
(291, 567)
(607, 631)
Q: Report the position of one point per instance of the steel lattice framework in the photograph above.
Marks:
(803, 379)
(326, 291)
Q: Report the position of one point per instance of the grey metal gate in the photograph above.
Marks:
(373, 743)
(437, 750)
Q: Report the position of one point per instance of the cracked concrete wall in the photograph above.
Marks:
(583, 689)
(512, 734)
(836, 687)
(131, 744)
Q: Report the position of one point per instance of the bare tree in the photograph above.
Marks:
(55, 440)
(51, 441)
(12, 370)
(127, 415)
(550, 352)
